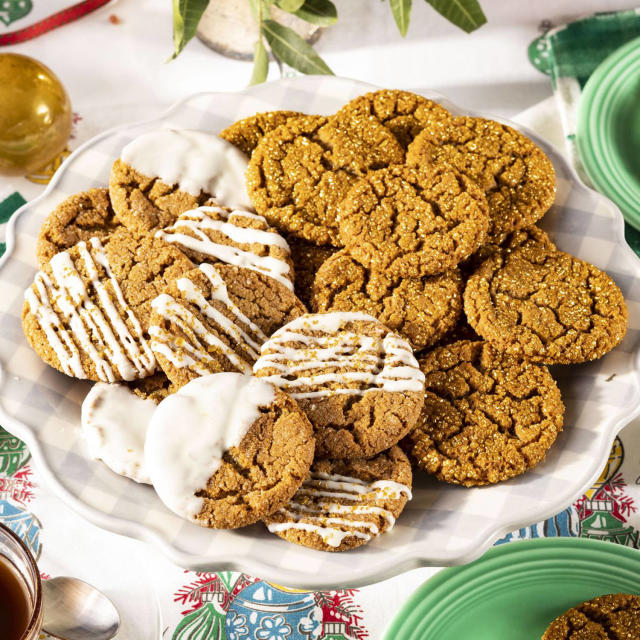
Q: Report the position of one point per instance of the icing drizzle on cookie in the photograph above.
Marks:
(197, 161)
(214, 414)
(195, 230)
(318, 504)
(340, 361)
(194, 351)
(98, 329)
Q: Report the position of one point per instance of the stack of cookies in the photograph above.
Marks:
(184, 291)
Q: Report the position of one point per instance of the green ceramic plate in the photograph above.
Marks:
(608, 129)
(515, 590)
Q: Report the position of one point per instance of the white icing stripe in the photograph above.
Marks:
(363, 363)
(88, 326)
(335, 486)
(198, 222)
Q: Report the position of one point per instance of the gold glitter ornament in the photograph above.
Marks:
(35, 115)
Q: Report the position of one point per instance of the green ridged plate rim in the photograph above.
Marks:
(515, 590)
(608, 129)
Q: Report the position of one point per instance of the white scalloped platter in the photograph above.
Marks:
(442, 525)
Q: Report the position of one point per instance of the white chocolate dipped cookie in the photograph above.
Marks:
(242, 451)
(166, 172)
(344, 504)
(215, 318)
(232, 236)
(358, 382)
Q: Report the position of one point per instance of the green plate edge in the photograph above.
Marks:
(521, 557)
(593, 130)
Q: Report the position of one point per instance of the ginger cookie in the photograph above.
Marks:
(307, 259)
(343, 504)
(299, 173)
(358, 382)
(247, 133)
(421, 310)
(534, 301)
(215, 318)
(164, 173)
(242, 450)
(404, 113)
(79, 217)
(412, 222)
(487, 417)
(88, 310)
(232, 236)
(515, 174)
(155, 387)
(610, 617)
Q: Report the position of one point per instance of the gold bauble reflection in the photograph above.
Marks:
(35, 115)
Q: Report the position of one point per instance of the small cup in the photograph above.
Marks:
(14, 552)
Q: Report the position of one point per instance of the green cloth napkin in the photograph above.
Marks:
(569, 54)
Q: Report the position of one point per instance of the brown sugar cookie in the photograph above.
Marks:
(343, 504)
(79, 217)
(87, 312)
(413, 222)
(404, 113)
(242, 450)
(536, 302)
(299, 173)
(422, 310)
(232, 236)
(610, 617)
(487, 417)
(155, 387)
(215, 318)
(247, 133)
(358, 382)
(164, 173)
(516, 175)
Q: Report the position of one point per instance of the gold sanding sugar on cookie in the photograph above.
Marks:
(487, 417)
(343, 504)
(247, 133)
(536, 302)
(609, 617)
(422, 310)
(412, 222)
(516, 175)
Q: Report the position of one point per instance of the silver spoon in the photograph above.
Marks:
(74, 610)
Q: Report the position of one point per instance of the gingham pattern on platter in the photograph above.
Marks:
(443, 524)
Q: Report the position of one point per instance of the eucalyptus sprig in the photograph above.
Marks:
(288, 47)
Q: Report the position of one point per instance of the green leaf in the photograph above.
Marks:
(260, 63)
(290, 5)
(401, 10)
(320, 12)
(186, 16)
(254, 5)
(466, 14)
(290, 48)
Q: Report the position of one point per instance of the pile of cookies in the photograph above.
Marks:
(184, 290)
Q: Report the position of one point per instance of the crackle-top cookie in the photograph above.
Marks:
(245, 134)
(422, 310)
(516, 175)
(88, 310)
(242, 450)
(413, 221)
(487, 417)
(404, 113)
(232, 236)
(358, 382)
(343, 504)
(164, 173)
(79, 217)
(215, 318)
(610, 617)
(536, 302)
(299, 173)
